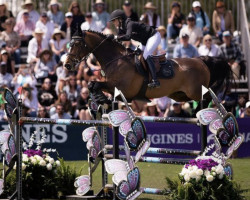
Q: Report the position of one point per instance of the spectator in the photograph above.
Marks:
(42, 112)
(5, 77)
(78, 16)
(232, 53)
(12, 40)
(129, 12)
(240, 108)
(4, 14)
(195, 33)
(185, 50)
(175, 22)
(150, 109)
(202, 20)
(90, 24)
(246, 113)
(228, 100)
(54, 13)
(163, 105)
(60, 114)
(36, 45)
(46, 95)
(23, 76)
(222, 20)
(150, 17)
(45, 66)
(162, 48)
(46, 26)
(100, 15)
(208, 48)
(64, 101)
(82, 104)
(5, 57)
(178, 111)
(61, 74)
(3, 116)
(25, 28)
(29, 97)
(33, 14)
(68, 26)
(58, 44)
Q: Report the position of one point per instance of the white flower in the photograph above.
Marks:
(42, 163)
(219, 169)
(58, 163)
(194, 167)
(198, 178)
(184, 171)
(187, 178)
(213, 173)
(23, 166)
(14, 167)
(199, 172)
(25, 159)
(209, 178)
(33, 160)
(206, 173)
(49, 167)
(192, 174)
(51, 160)
(221, 176)
(213, 169)
(39, 158)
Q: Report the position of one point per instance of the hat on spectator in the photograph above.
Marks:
(46, 51)
(54, 2)
(4, 52)
(150, 5)
(44, 14)
(196, 4)
(69, 14)
(88, 14)
(99, 2)
(25, 11)
(58, 31)
(247, 104)
(226, 33)
(26, 2)
(176, 4)
(184, 35)
(127, 3)
(2, 2)
(161, 28)
(190, 16)
(220, 4)
(26, 86)
(8, 22)
(38, 31)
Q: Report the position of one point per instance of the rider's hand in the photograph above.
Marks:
(110, 36)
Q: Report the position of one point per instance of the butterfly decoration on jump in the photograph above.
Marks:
(130, 127)
(94, 145)
(126, 176)
(224, 126)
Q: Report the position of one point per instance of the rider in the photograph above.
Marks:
(146, 35)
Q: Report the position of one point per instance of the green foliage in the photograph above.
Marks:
(203, 190)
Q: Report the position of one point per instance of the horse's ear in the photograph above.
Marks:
(78, 32)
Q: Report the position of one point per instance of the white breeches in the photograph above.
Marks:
(152, 44)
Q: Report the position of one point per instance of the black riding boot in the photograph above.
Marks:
(155, 83)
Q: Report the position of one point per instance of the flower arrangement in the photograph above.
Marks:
(42, 175)
(203, 178)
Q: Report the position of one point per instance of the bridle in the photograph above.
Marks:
(76, 60)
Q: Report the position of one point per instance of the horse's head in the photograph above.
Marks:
(77, 51)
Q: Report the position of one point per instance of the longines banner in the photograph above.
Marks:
(68, 139)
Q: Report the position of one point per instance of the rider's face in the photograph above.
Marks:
(116, 23)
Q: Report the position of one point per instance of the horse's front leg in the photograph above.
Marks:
(96, 89)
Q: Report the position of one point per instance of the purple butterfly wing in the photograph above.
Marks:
(8, 110)
(4, 135)
(231, 126)
(82, 180)
(8, 157)
(238, 141)
(228, 169)
(96, 148)
(215, 125)
(230, 151)
(82, 190)
(88, 133)
(116, 117)
(223, 136)
(134, 179)
(9, 98)
(11, 145)
(132, 140)
(139, 129)
(125, 127)
(207, 115)
(123, 190)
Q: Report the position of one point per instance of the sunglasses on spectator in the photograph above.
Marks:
(47, 82)
(75, 7)
(208, 40)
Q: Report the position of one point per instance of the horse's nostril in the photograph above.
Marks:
(68, 66)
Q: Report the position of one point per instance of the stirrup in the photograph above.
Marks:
(154, 84)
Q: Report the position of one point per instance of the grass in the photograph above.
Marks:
(153, 175)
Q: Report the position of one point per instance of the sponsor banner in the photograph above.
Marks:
(68, 139)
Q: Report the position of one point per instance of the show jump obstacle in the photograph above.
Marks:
(126, 175)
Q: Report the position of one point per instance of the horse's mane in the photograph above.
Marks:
(115, 42)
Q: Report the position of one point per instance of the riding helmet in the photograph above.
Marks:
(117, 14)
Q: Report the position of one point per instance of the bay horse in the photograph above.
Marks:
(119, 70)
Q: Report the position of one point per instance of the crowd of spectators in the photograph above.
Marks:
(49, 90)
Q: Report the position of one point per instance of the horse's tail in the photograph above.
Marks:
(220, 73)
